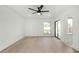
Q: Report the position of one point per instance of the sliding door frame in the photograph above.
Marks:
(55, 29)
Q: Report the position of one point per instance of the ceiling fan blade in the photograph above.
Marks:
(32, 9)
(45, 11)
(41, 6)
(34, 12)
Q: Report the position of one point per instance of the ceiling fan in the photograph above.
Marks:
(39, 10)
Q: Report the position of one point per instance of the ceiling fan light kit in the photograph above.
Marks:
(39, 11)
(38, 14)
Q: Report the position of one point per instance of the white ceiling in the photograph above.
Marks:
(25, 12)
(55, 10)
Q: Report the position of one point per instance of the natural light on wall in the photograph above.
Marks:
(46, 27)
(69, 25)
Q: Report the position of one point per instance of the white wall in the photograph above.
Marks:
(34, 27)
(11, 27)
(76, 29)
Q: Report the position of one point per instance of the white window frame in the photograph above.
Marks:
(47, 27)
(70, 23)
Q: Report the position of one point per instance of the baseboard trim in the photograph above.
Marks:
(19, 39)
(71, 46)
(75, 48)
(13, 42)
(39, 36)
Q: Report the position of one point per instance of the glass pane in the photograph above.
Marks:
(70, 25)
(58, 29)
(46, 27)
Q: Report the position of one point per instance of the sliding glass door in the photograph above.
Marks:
(58, 29)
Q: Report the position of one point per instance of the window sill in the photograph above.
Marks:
(69, 33)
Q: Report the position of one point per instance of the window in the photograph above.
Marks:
(46, 27)
(69, 25)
